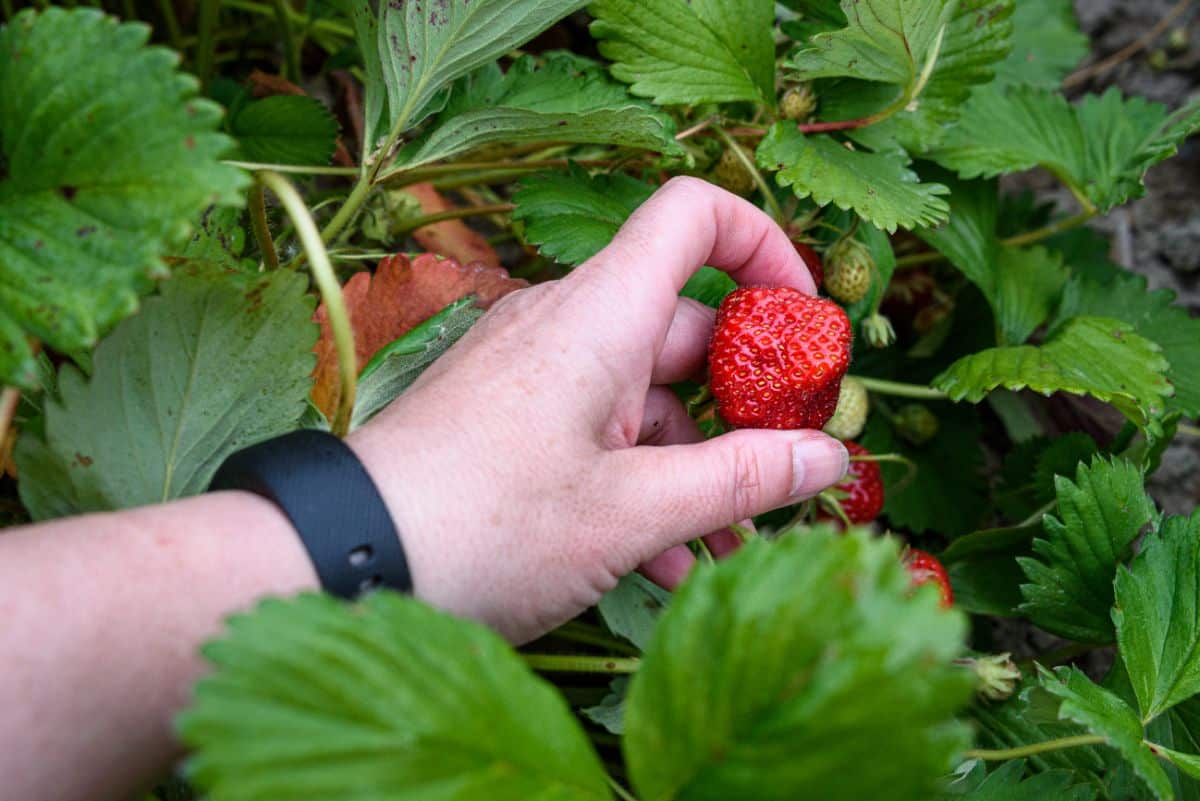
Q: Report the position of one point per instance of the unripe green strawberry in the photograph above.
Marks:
(851, 413)
(916, 423)
(848, 271)
(798, 103)
(732, 174)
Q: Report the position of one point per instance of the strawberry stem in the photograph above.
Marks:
(759, 181)
(262, 231)
(901, 390)
(331, 293)
(565, 663)
(998, 754)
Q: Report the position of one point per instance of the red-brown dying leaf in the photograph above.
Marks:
(453, 239)
(402, 294)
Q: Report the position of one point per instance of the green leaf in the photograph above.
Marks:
(1100, 515)
(285, 129)
(784, 670)
(219, 239)
(889, 41)
(571, 216)
(414, 51)
(1158, 617)
(1030, 716)
(1047, 44)
(1103, 713)
(1094, 356)
(918, 108)
(1154, 316)
(632, 608)
(567, 99)
(1008, 783)
(397, 365)
(1101, 147)
(984, 572)
(1027, 475)
(1022, 286)
(388, 699)
(106, 153)
(684, 52)
(879, 186)
(946, 494)
(610, 712)
(217, 362)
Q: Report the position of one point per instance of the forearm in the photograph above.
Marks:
(102, 617)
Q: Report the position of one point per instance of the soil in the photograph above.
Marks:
(1158, 235)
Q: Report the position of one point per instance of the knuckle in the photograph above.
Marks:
(745, 474)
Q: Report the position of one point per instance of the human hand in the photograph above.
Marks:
(518, 467)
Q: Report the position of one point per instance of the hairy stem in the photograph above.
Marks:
(291, 56)
(331, 294)
(298, 169)
(621, 792)
(993, 755)
(900, 390)
(584, 634)
(9, 398)
(454, 214)
(759, 181)
(1020, 240)
(560, 663)
(262, 231)
(206, 43)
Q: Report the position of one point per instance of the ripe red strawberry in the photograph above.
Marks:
(777, 358)
(863, 485)
(925, 568)
(812, 260)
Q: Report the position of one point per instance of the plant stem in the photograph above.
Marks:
(559, 663)
(262, 231)
(884, 387)
(584, 634)
(1129, 51)
(298, 169)
(695, 129)
(992, 755)
(9, 398)
(621, 792)
(208, 16)
(1054, 229)
(265, 10)
(1191, 431)
(166, 8)
(291, 58)
(759, 181)
(403, 177)
(1037, 514)
(331, 293)
(454, 214)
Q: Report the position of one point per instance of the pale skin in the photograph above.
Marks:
(533, 465)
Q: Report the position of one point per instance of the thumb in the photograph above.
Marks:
(679, 492)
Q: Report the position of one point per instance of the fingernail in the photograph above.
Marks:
(818, 461)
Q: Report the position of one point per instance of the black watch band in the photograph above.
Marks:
(326, 493)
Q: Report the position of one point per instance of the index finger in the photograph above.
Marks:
(689, 223)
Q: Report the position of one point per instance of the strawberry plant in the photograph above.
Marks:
(249, 218)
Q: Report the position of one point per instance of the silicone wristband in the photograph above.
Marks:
(326, 493)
